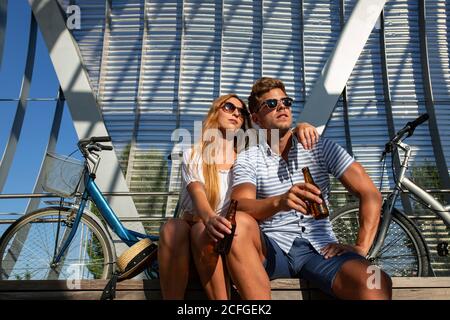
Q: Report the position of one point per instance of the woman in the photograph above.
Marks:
(205, 195)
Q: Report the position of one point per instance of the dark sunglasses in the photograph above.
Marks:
(229, 108)
(273, 103)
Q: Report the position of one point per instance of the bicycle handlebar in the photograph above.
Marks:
(417, 123)
(88, 145)
(103, 147)
(407, 129)
(101, 139)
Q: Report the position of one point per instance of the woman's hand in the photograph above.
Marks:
(307, 134)
(217, 226)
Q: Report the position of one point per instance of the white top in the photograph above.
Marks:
(192, 170)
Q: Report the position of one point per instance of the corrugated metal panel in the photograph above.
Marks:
(405, 75)
(200, 76)
(90, 36)
(438, 26)
(282, 50)
(241, 46)
(159, 104)
(321, 31)
(367, 114)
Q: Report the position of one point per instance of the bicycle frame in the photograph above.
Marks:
(404, 182)
(91, 190)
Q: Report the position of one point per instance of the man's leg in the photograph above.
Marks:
(245, 260)
(209, 264)
(173, 258)
(357, 279)
(347, 276)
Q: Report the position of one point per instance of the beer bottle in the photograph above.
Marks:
(223, 246)
(318, 211)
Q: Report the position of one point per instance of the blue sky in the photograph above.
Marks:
(39, 114)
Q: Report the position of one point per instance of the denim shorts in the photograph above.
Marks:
(304, 262)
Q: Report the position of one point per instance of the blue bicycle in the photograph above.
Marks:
(67, 241)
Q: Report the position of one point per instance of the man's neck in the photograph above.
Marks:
(282, 143)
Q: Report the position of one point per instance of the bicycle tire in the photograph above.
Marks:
(409, 258)
(27, 248)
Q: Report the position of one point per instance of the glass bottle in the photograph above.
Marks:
(318, 211)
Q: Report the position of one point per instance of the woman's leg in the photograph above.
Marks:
(173, 258)
(209, 264)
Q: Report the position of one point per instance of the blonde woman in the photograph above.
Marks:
(205, 193)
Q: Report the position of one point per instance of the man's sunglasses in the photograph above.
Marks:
(230, 108)
(273, 103)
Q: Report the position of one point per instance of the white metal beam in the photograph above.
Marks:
(328, 88)
(86, 114)
(16, 129)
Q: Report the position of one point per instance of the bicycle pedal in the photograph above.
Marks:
(442, 249)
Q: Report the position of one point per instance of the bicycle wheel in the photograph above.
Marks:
(27, 248)
(403, 253)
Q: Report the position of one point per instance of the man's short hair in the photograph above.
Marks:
(260, 87)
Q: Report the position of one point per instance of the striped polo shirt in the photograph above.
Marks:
(272, 176)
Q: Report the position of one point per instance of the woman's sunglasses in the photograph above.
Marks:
(273, 103)
(230, 108)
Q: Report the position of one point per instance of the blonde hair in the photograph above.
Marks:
(209, 167)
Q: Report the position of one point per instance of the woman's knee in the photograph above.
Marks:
(199, 237)
(174, 232)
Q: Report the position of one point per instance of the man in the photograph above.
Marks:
(288, 242)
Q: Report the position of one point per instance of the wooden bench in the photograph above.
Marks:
(282, 289)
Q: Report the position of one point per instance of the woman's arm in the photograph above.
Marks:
(306, 134)
(216, 226)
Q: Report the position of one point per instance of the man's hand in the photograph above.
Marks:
(298, 196)
(307, 134)
(217, 226)
(336, 249)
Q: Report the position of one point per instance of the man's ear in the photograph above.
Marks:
(255, 119)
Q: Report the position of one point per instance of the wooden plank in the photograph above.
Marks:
(83, 285)
(421, 294)
(421, 282)
(398, 282)
(292, 289)
(91, 295)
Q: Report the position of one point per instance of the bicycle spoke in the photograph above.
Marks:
(83, 259)
(390, 244)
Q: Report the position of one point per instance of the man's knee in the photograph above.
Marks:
(246, 224)
(247, 232)
(379, 288)
(366, 281)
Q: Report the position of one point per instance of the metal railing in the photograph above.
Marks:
(138, 194)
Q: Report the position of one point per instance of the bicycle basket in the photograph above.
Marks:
(62, 174)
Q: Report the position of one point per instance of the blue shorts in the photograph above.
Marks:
(304, 262)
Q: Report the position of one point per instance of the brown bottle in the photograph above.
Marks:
(223, 246)
(318, 211)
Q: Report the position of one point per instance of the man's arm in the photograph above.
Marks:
(357, 181)
(261, 209)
